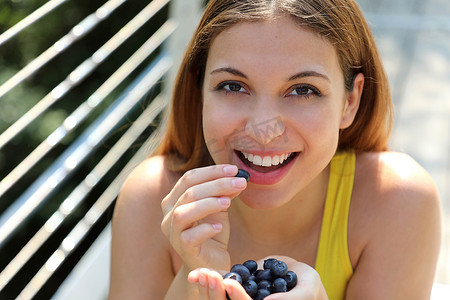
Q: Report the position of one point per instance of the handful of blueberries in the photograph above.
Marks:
(274, 278)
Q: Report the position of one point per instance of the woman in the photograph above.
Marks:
(293, 91)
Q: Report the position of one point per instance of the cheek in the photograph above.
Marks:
(217, 127)
(209, 129)
(317, 124)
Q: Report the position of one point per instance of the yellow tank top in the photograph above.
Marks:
(333, 261)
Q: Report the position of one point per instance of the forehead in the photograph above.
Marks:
(280, 42)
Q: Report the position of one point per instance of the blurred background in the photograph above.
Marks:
(82, 86)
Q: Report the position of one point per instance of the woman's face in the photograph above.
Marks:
(273, 104)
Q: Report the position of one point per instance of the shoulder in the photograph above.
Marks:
(392, 186)
(142, 192)
(139, 201)
(393, 197)
(393, 175)
(139, 250)
(151, 179)
(395, 208)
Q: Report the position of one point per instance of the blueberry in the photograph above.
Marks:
(251, 288)
(265, 285)
(251, 265)
(279, 285)
(260, 283)
(278, 269)
(268, 262)
(243, 174)
(256, 274)
(291, 279)
(261, 294)
(264, 275)
(234, 276)
(241, 270)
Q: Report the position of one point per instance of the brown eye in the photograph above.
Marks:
(234, 87)
(304, 91)
(231, 87)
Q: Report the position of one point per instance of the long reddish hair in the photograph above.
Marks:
(339, 21)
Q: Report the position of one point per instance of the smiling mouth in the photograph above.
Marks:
(267, 163)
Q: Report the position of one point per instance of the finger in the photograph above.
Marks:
(198, 277)
(195, 177)
(229, 187)
(208, 279)
(235, 290)
(203, 286)
(195, 236)
(216, 286)
(193, 276)
(185, 216)
(224, 186)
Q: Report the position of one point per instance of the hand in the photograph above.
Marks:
(196, 218)
(211, 285)
(309, 285)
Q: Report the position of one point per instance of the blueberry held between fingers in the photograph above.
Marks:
(243, 174)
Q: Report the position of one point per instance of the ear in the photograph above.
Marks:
(352, 102)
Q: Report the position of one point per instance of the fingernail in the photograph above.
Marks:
(201, 280)
(230, 170)
(212, 284)
(239, 182)
(224, 201)
(217, 226)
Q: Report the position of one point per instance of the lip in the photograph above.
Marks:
(268, 178)
(266, 152)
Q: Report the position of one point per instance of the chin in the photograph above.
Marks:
(261, 199)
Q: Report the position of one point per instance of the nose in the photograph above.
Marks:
(265, 130)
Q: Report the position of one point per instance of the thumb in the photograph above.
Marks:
(235, 291)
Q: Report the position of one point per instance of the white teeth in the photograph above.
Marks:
(266, 161)
(257, 160)
(275, 160)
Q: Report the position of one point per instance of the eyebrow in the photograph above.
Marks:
(293, 77)
(308, 74)
(229, 70)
